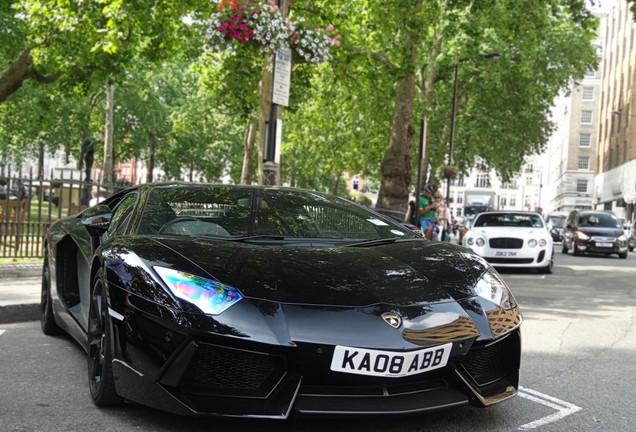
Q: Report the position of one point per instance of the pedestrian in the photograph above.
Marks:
(95, 197)
(427, 210)
(442, 217)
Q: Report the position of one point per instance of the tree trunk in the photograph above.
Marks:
(108, 140)
(250, 139)
(12, 77)
(41, 160)
(150, 162)
(396, 165)
(334, 190)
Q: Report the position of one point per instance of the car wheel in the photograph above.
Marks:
(47, 320)
(100, 357)
(631, 248)
(575, 250)
(564, 248)
(622, 255)
(547, 269)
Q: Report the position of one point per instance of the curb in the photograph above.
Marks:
(16, 271)
(19, 313)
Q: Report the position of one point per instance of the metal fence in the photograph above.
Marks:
(28, 206)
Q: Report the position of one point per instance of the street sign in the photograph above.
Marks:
(282, 77)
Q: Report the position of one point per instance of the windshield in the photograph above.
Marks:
(234, 211)
(599, 221)
(557, 222)
(508, 220)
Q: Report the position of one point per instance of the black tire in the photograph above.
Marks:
(47, 320)
(100, 357)
(547, 269)
(564, 248)
(575, 250)
(622, 255)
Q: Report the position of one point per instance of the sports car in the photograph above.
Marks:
(512, 239)
(270, 302)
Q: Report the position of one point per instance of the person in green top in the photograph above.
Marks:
(427, 210)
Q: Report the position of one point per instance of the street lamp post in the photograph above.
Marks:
(452, 127)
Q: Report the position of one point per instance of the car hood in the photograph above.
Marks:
(517, 232)
(601, 232)
(404, 273)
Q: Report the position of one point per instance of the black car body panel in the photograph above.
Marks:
(274, 352)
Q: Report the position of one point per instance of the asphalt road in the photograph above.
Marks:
(579, 352)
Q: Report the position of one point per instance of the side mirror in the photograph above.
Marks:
(96, 219)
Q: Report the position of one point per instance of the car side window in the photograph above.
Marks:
(122, 215)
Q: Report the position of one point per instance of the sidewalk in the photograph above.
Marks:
(20, 292)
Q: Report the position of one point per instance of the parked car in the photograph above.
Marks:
(555, 222)
(594, 231)
(512, 239)
(267, 302)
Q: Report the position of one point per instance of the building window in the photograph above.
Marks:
(460, 197)
(528, 181)
(581, 186)
(504, 200)
(526, 201)
(590, 74)
(588, 93)
(513, 201)
(585, 140)
(586, 117)
(483, 181)
(459, 211)
(529, 168)
(356, 183)
(584, 163)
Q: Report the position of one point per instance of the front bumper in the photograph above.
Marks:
(171, 363)
(592, 246)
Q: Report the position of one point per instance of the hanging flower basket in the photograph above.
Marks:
(262, 24)
(448, 171)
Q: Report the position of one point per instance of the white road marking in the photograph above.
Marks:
(563, 408)
(2, 331)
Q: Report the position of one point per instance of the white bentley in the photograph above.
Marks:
(512, 239)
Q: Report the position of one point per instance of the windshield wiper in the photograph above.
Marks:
(247, 237)
(372, 242)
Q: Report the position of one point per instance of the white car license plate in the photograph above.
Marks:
(604, 244)
(505, 253)
(389, 363)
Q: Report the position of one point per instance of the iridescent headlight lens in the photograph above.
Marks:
(210, 296)
(493, 288)
(542, 242)
(532, 243)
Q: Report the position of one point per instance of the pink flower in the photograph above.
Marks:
(330, 28)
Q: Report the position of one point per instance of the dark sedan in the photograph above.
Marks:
(266, 302)
(596, 232)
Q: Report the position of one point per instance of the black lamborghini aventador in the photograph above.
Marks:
(248, 301)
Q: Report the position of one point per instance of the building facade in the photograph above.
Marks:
(615, 180)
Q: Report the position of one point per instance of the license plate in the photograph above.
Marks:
(505, 253)
(604, 244)
(388, 363)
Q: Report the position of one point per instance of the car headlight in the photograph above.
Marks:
(480, 242)
(622, 238)
(470, 241)
(582, 236)
(542, 242)
(210, 296)
(532, 243)
(492, 287)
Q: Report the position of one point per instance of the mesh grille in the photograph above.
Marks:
(505, 243)
(228, 368)
(510, 260)
(482, 361)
